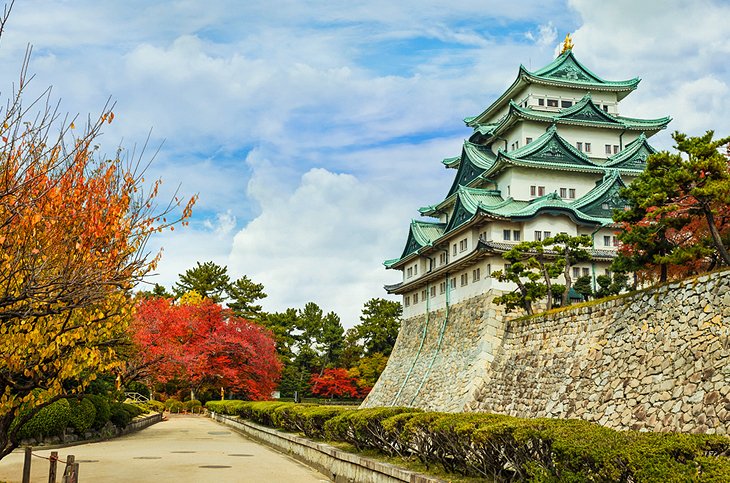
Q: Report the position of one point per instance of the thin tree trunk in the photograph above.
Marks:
(716, 238)
(568, 282)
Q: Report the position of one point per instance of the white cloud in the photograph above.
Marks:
(324, 241)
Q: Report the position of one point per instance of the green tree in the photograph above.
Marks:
(282, 325)
(379, 325)
(208, 279)
(570, 250)
(584, 286)
(331, 341)
(243, 294)
(530, 289)
(676, 200)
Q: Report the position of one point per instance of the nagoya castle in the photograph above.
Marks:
(548, 156)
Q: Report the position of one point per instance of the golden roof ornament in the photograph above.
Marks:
(567, 43)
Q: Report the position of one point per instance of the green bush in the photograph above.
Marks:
(82, 415)
(193, 405)
(155, 406)
(103, 410)
(362, 428)
(52, 420)
(120, 416)
(174, 405)
(229, 407)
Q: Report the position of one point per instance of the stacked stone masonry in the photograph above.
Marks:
(657, 360)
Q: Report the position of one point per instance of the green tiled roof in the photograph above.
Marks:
(475, 159)
(421, 234)
(564, 71)
(604, 197)
(582, 113)
(633, 156)
(452, 162)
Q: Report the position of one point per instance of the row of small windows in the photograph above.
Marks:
(610, 241)
(548, 102)
(611, 149)
(583, 147)
(564, 192)
(431, 292)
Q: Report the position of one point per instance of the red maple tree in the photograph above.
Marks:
(204, 345)
(334, 383)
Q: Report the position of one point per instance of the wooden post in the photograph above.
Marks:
(53, 468)
(26, 464)
(68, 472)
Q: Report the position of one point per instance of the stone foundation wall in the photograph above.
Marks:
(436, 372)
(657, 360)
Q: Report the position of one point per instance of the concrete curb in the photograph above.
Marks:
(339, 466)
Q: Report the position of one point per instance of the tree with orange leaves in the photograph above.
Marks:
(73, 229)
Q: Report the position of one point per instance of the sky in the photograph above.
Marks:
(312, 131)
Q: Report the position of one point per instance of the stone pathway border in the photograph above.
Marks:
(340, 466)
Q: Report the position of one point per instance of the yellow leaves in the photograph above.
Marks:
(72, 125)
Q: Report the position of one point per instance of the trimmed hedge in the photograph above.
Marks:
(503, 448)
(82, 415)
(51, 420)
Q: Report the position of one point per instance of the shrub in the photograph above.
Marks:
(103, 411)
(120, 417)
(155, 406)
(194, 406)
(82, 415)
(229, 407)
(363, 428)
(52, 420)
(174, 405)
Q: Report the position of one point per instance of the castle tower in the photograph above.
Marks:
(548, 156)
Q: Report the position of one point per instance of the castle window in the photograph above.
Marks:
(464, 279)
(475, 275)
(442, 259)
(608, 149)
(615, 241)
(576, 272)
(516, 235)
(566, 103)
(540, 191)
(541, 102)
(606, 240)
(433, 291)
(409, 272)
(453, 283)
(538, 235)
(586, 272)
(615, 149)
(533, 190)
(579, 145)
(517, 144)
(605, 107)
(546, 234)
(462, 245)
(415, 269)
(415, 298)
(453, 250)
(563, 192)
(507, 235)
(424, 294)
(588, 147)
(442, 287)
(489, 269)
(552, 103)
(408, 301)
(571, 193)
(528, 140)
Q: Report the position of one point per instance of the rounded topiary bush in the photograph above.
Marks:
(51, 420)
(156, 406)
(103, 411)
(174, 405)
(194, 406)
(120, 417)
(82, 415)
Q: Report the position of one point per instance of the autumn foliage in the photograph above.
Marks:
(73, 226)
(334, 382)
(205, 346)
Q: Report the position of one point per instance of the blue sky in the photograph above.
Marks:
(313, 130)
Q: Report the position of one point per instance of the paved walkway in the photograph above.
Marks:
(184, 449)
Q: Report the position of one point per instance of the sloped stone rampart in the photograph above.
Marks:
(657, 360)
(439, 373)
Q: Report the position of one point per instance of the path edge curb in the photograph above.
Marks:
(339, 466)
